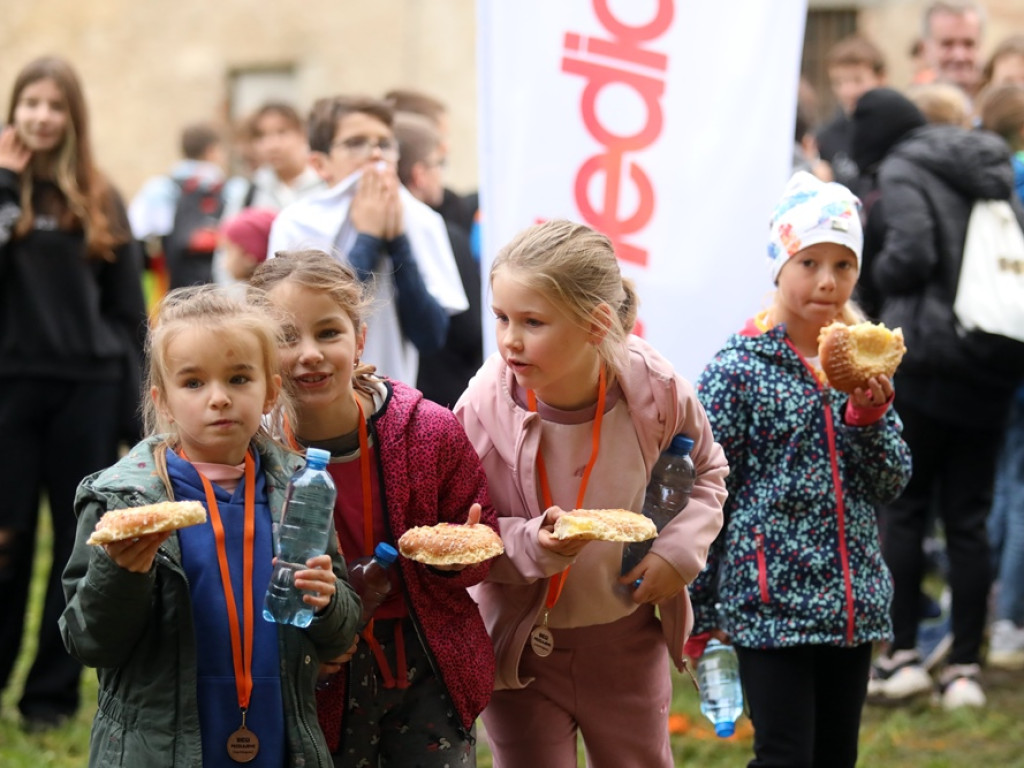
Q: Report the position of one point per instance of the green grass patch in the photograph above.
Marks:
(922, 736)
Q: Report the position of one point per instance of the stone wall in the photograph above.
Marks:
(151, 66)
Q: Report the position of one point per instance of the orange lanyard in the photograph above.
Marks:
(557, 582)
(243, 664)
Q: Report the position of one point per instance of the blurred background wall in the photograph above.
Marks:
(151, 66)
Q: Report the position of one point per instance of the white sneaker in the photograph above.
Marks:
(961, 688)
(898, 678)
(1006, 645)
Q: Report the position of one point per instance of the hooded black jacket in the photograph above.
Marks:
(928, 184)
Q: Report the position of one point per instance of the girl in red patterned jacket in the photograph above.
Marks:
(410, 692)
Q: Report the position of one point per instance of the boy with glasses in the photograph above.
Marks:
(397, 245)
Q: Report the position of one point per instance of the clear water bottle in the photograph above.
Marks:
(369, 578)
(721, 695)
(302, 534)
(672, 479)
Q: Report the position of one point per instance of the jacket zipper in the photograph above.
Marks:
(762, 567)
(844, 553)
(837, 485)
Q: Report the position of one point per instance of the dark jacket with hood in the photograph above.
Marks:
(928, 185)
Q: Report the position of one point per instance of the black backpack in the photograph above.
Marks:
(188, 249)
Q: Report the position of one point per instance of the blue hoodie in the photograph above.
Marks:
(217, 696)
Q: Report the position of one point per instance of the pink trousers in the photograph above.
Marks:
(609, 682)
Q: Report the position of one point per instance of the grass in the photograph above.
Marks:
(916, 737)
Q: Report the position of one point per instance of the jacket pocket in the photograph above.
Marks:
(762, 566)
(123, 736)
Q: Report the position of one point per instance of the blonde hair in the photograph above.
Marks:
(214, 309)
(941, 103)
(320, 272)
(575, 267)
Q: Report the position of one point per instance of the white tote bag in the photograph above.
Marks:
(990, 291)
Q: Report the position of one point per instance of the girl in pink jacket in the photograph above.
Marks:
(572, 413)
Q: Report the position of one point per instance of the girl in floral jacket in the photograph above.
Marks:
(796, 577)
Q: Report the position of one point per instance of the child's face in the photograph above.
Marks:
(851, 81)
(359, 140)
(279, 144)
(815, 283)
(238, 262)
(322, 348)
(546, 349)
(1008, 70)
(216, 393)
(41, 116)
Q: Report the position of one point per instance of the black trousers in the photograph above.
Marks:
(52, 434)
(954, 473)
(805, 703)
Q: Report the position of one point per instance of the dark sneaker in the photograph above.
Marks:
(898, 678)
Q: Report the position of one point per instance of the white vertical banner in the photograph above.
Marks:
(665, 124)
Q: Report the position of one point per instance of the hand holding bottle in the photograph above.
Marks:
(658, 580)
(317, 582)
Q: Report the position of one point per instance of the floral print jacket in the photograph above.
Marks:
(798, 561)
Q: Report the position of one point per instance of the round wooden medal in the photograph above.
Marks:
(542, 641)
(243, 745)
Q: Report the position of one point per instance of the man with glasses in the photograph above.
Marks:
(367, 218)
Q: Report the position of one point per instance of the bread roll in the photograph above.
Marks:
(450, 544)
(852, 354)
(119, 524)
(605, 525)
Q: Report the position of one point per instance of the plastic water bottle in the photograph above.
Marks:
(369, 578)
(672, 479)
(721, 695)
(302, 534)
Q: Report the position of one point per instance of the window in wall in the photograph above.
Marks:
(824, 28)
(251, 87)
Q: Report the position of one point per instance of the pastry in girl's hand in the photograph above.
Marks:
(852, 354)
(605, 525)
(119, 524)
(450, 544)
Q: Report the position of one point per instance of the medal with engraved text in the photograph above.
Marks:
(542, 641)
(243, 744)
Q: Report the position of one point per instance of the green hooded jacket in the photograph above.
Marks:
(137, 629)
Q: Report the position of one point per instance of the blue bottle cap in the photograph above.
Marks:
(317, 458)
(725, 728)
(385, 553)
(681, 444)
